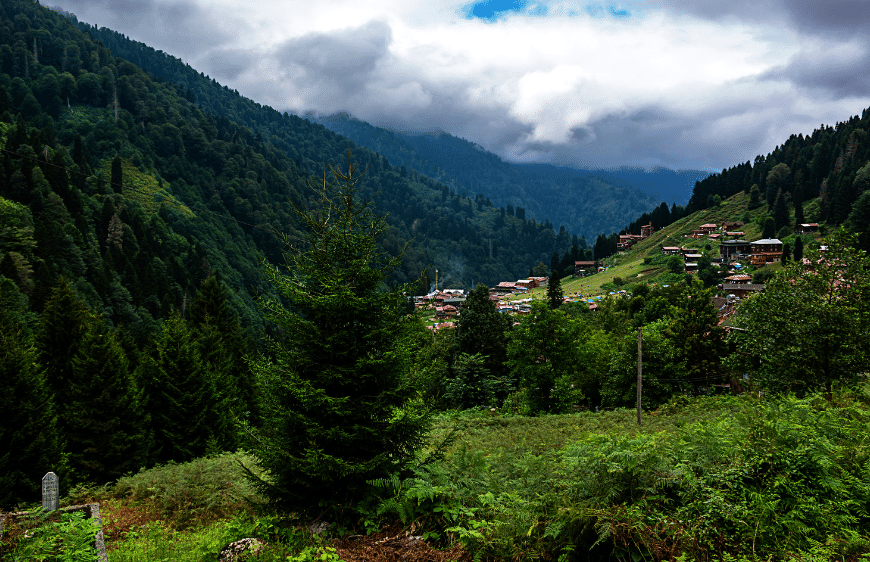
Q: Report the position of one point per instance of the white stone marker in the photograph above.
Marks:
(49, 492)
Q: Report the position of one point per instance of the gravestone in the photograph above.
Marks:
(49, 492)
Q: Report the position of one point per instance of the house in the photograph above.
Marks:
(697, 233)
(709, 228)
(738, 279)
(626, 241)
(584, 268)
(715, 236)
(766, 250)
(806, 227)
(526, 283)
(742, 290)
(732, 249)
(686, 251)
(692, 257)
(670, 250)
(734, 234)
(646, 230)
(541, 281)
(449, 310)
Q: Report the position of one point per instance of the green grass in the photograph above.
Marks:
(145, 189)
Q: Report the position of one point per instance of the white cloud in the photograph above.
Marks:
(679, 83)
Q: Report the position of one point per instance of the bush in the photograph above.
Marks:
(196, 492)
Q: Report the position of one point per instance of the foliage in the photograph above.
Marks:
(481, 329)
(193, 493)
(555, 296)
(29, 438)
(808, 329)
(69, 540)
(338, 405)
(546, 355)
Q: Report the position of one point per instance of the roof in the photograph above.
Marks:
(743, 287)
(768, 241)
(709, 225)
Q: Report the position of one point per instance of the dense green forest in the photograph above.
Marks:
(585, 204)
(828, 167)
(175, 284)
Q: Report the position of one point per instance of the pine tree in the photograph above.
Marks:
(555, 295)
(30, 442)
(337, 402)
(182, 398)
(222, 345)
(798, 249)
(103, 421)
(62, 328)
(780, 212)
(481, 329)
(786, 254)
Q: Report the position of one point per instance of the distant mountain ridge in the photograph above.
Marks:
(585, 202)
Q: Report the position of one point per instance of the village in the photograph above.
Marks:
(736, 255)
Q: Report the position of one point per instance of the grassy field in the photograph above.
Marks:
(701, 479)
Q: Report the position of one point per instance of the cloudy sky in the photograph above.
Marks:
(702, 84)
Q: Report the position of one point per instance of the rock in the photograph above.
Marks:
(240, 550)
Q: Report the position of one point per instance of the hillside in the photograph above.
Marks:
(585, 203)
(194, 192)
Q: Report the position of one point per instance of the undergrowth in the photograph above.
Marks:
(705, 479)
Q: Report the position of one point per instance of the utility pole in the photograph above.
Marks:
(639, 372)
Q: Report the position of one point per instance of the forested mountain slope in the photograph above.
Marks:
(830, 168)
(586, 203)
(191, 192)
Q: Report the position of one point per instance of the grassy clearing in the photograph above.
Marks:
(145, 189)
(706, 479)
(716, 478)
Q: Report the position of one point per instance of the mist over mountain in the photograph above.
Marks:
(586, 202)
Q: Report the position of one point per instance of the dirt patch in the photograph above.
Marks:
(395, 544)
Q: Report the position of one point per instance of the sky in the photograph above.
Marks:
(684, 84)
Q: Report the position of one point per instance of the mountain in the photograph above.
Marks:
(137, 189)
(584, 202)
(670, 186)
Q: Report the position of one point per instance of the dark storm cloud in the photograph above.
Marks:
(655, 136)
(838, 17)
(338, 63)
(182, 29)
(840, 71)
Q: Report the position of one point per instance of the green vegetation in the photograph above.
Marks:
(147, 329)
(338, 407)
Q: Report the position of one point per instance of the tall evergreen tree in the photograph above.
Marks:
(30, 442)
(62, 329)
(103, 421)
(786, 253)
(798, 249)
(481, 329)
(222, 345)
(780, 212)
(181, 382)
(555, 295)
(337, 398)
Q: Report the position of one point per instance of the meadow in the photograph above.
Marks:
(709, 478)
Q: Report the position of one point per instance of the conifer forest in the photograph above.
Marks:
(202, 290)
